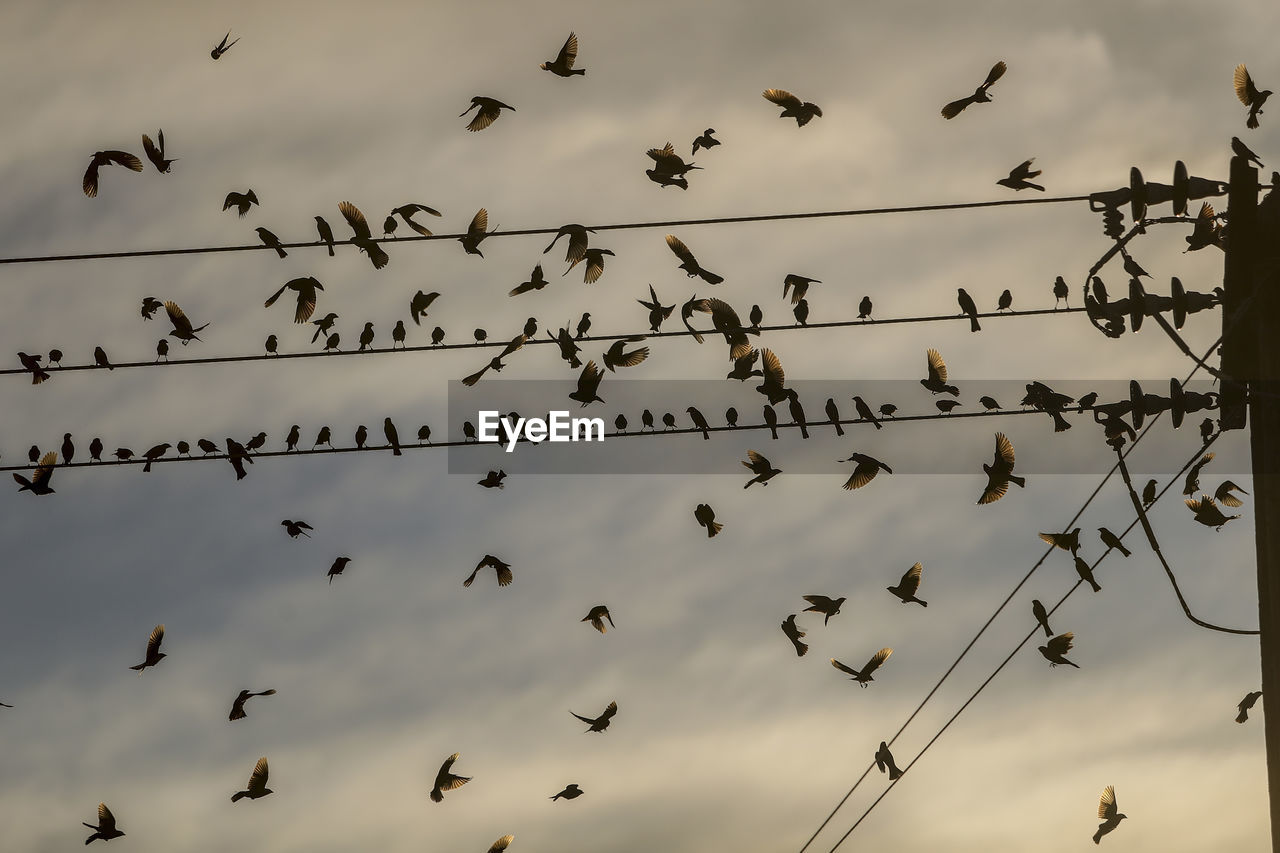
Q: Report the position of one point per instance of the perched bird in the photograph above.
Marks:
(105, 158)
(909, 585)
(615, 357)
(182, 329)
(406, 212)
(620, 423)
(1066, 541)
(437, 336)
(577, 242)
(153, 454)
(39, 482)
(600, 723)
(689, 263)
(446, 780)
(989, 403)
(487, 112)
(271, 240)
(237, 707)
(794, 634)
(792, 107)
(884, 761)
(155, 153)
(154, 655)
(658, 313)
(162, 350)
(1019, 177)
(222, 46)
(1237, 147)
(1006, 301)
(568, 349)
(240, 201)
(562, 65)
(584, 325)
(760, 466)
(1060, 292)
(272, 344)
(706, 140)
(184, 448)
(1042, 616)
(756, 317)
(699, 422)
(106, 828)
(980, 95)
(296, 528)
(1110, 815)
(863, 676)
(326, 233)
(706, 517)
(1149, 494)
(832, 411)
(669, 421)
(1000, 472)
(797, 412)
(69, 449)
(424, 434)
(801, 312)
(100, 358)
(1249, 95)
(291, 441)
(397, 334)
(865, 413)
(646, 420)
(207, 446)
(366, 337)
(1112, 541)
(337, 568)
(937, 379)
(1222, 495)
(1207, 512)
(822, 604)
(1055, 650)
(95, 449)
(1086, 573)
(588, 385)
(468, 431)
(1192, 484)
(55, 357)
(967, 306)
(237, 455)
(596, 616)
(257, 787)
(476, 232)
(362, 237)
(123, 454)
(32, 363)
(306, 289)
(1245, 704)
(324, 436)
(393, 438)
(480, 335)
(731, 416)
(502, 569)
(536, 281)
(864, 470)
(493, 480)
(571, 791)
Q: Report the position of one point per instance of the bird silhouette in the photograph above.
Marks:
(669, 421)
(493, 480)
(240, 201)
(162, 350)
(95, 449)
(1192, 484)
(699, 422)
(489, 561)
(1245, 704)
(123, 454)
(325, 232)
(398, 334)
(797, 412)
(774, 378)
(296, 528)
(568, 349)
(1109, 814)
(153, 454)
(571, 791)
(1042, 616)
(362, 237)
(979, 96)
(658, 313)
(760, 466)
(222, 46)
(468, 431)
(105, 158)
(596, 616)
(501, 844)
(257, 787)
(237, 707)
(32, 363)
(339, 565)
(865, 413)
(1060, 292)
(620, 423)
(39, 482)
(584, 326)
(1056, 648)
(937, 379)
(1207, 512)
(863, 676)
(424, 434)
(272, 345)
(182, 329)
(756, 317)
(155, 152)
(706, 517)
(600, 723)
(306, 289)
(536, 281)
(237, 455)
(208, 446)
(668, 163)
(967, 306)
(100, 358)
(1000, 472)
(487, 112)
(1249, 95)
(1149, 494)
(1222, 495)
(792, 107)
(366, 337)
(1066, 541)
(393, 438)
(864, 471)
(446, 780)
(1086, 573)
(706, 140)
(794, 634)
(1006, 301)
(1112, 541)
(55, 357)
(150, 305)
(1019, 177)
(106, 828)
(562, 65)
(884, 761)
(588, 385)
(1207, 231)
(822, 604)
(68, 449)
(798, 285)
(1242, 150)
(832, 412)
(909, 585)
(801, 312)
(323, 325)
(476, 232)
(406, 212)
(615, 356)
(184, 449)
(989, 403)
(725, 321)
(324, 436)
(154, 655)
(577, 242)
(689, 263)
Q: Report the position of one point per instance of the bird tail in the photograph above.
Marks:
(1240, 718)
(1020, 482)
(713, 528)
(1047, 632)
(710, 277)
(801, 648)
(237, 796)
(973, 324)
(839, 429)
(331, 250)
(38, 376)
(1123, 550)
(436, 796)
(1097, 837)
(1093, 583)
(921, 603)
(281, 252)
(139, 667)
(1034, 186)
(146, 469)
(1252, 122)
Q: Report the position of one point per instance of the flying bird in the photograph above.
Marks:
(362, 237)
(761, 467)
(571, 791)
(668, 163)
(863, 676)
(155, 152)
(240, 201)
(588, 385)
(792, 107)
(222, 46)
(577, 245)
(476, 232)
(1000, 472)
(1109, 814)
(822, 604)
(596, 616)
(706, 517)
(1207, 512)
(798, 285)
(296, 528)
(562, 65)
(909, 585)
(725, 321)
(257, 787)
(884, 761)
(489, 561)
(937, 379)
(493, 480)
(864, 470)
(774, 379)
(1019, 177)
(594, 259)
(600, 723)
(237, 707)
(1207, 231)
(1245, 704)
(794, 634)
(1192, 484)
(706, 140)
(615, 356)
(980, 94)
(406, 212)
(39, 482)
(1042, 616)
(1056, 648)
(106, 828)
(446, 780)
(1249, 95)
(689, 263)
(1222, 494)
(182, 329)
(106, 158)
(154, 655)
(1066, 541)
(658, 312)
(306, 289)
(487, 112)
(536, 281)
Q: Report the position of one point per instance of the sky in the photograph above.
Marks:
(724, 738)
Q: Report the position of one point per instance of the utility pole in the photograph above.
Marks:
(1251, 353)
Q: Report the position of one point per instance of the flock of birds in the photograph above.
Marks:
(668, 169)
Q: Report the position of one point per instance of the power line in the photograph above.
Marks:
(623, 226)
(12, 371)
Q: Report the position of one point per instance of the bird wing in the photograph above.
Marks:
(759, 464)
(153, 642)
(844, 668)
(666, 153)
(444, 773)
(722, 314)
(877, 659)
(937, 367)
(681, 250)
(123, 158)
(589, 379)
(1023, 170)
(479, 223)
(772, 366)
(90, 182)
(954, 108)
(996, 72)
(609, 711)
(997, 487)
(181, 324)
(154, 154)
(910, 583)
(106, 820)
(595, 267)
(355, 219)
(819, 600)
(568, 55)
(484, 117)
(862, 474)
(44, 470)
(1245, 90)
(505, 841)
(1107, 808)
(781, 97)
(1060, 644)
(1004, 452)
(258, 778)
(589, 720)
(631, 359)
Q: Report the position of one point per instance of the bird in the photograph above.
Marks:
(1055, 649)
(106, 828)
(584, 325)
(794, 634)
(323, 325)
(480, 335)
(32, 363)
(706, 517)
(240, 201)
(1242, 150)
(331, 342)
(362, 237)
(1207, 231)
(55, 357)
(306, 289)
(669, 421)
(1109, 813)
(536, 281)
(100, 358)
(366, 337)
(39, 482)
(568, 349)
(1000, 472)
(1222, 494)
(980, 95)
(1112, 541)
(424, 434)
(291, 441)
(596, 616)
(909, 585)
(184, 448)
(162, 350)
(689, 263)
(968, 307)
(1245, 704)
(646, 420)
(863, 676)
(792, 107)
(153, 454)
(222, 46)
(570, 792)
(154, 655)
(1060, 292)
(832, 412)
(476, 232)
(725, 321)
(502, 569)
(419, 304)
(1019, 177)
(326, 233)
(208, 446)
(257, 787)
(446, 780)
(1207, 512)
(123, 454)
(487, 112)
(95, 449)
(68, 449)
(937, 379)
(397, 334)
(1086, 573)
(615, 357)
(562, 65)
(884, 761)
(668, 162)
(150, 305)
(339, 565)
(774, 378)
(1249, 95)
(393, 438)
(864, 470)
(271, 240)
(989, 403)
(493, 480)
(801, 312)
(706, 140)
(822, 604)
(468, 431)
(588, 385)
(1042, 616)
(760, 466)
(600, 723)
(296, 528)
(105, 158)
(1006, 301)
(406, 212)
(272, 344)
(620, 423)
(756, 317)
(699, 422)
(1066, 541)
(1149, 494)
(237, 707)
(667, 180)
(865, 413)
(658, 313)
(577, 242)
(155, 152)
(797, 412)
(237, 456)
(1192, 484)
(182, 329)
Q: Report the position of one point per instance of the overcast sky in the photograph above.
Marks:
(724, 739)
